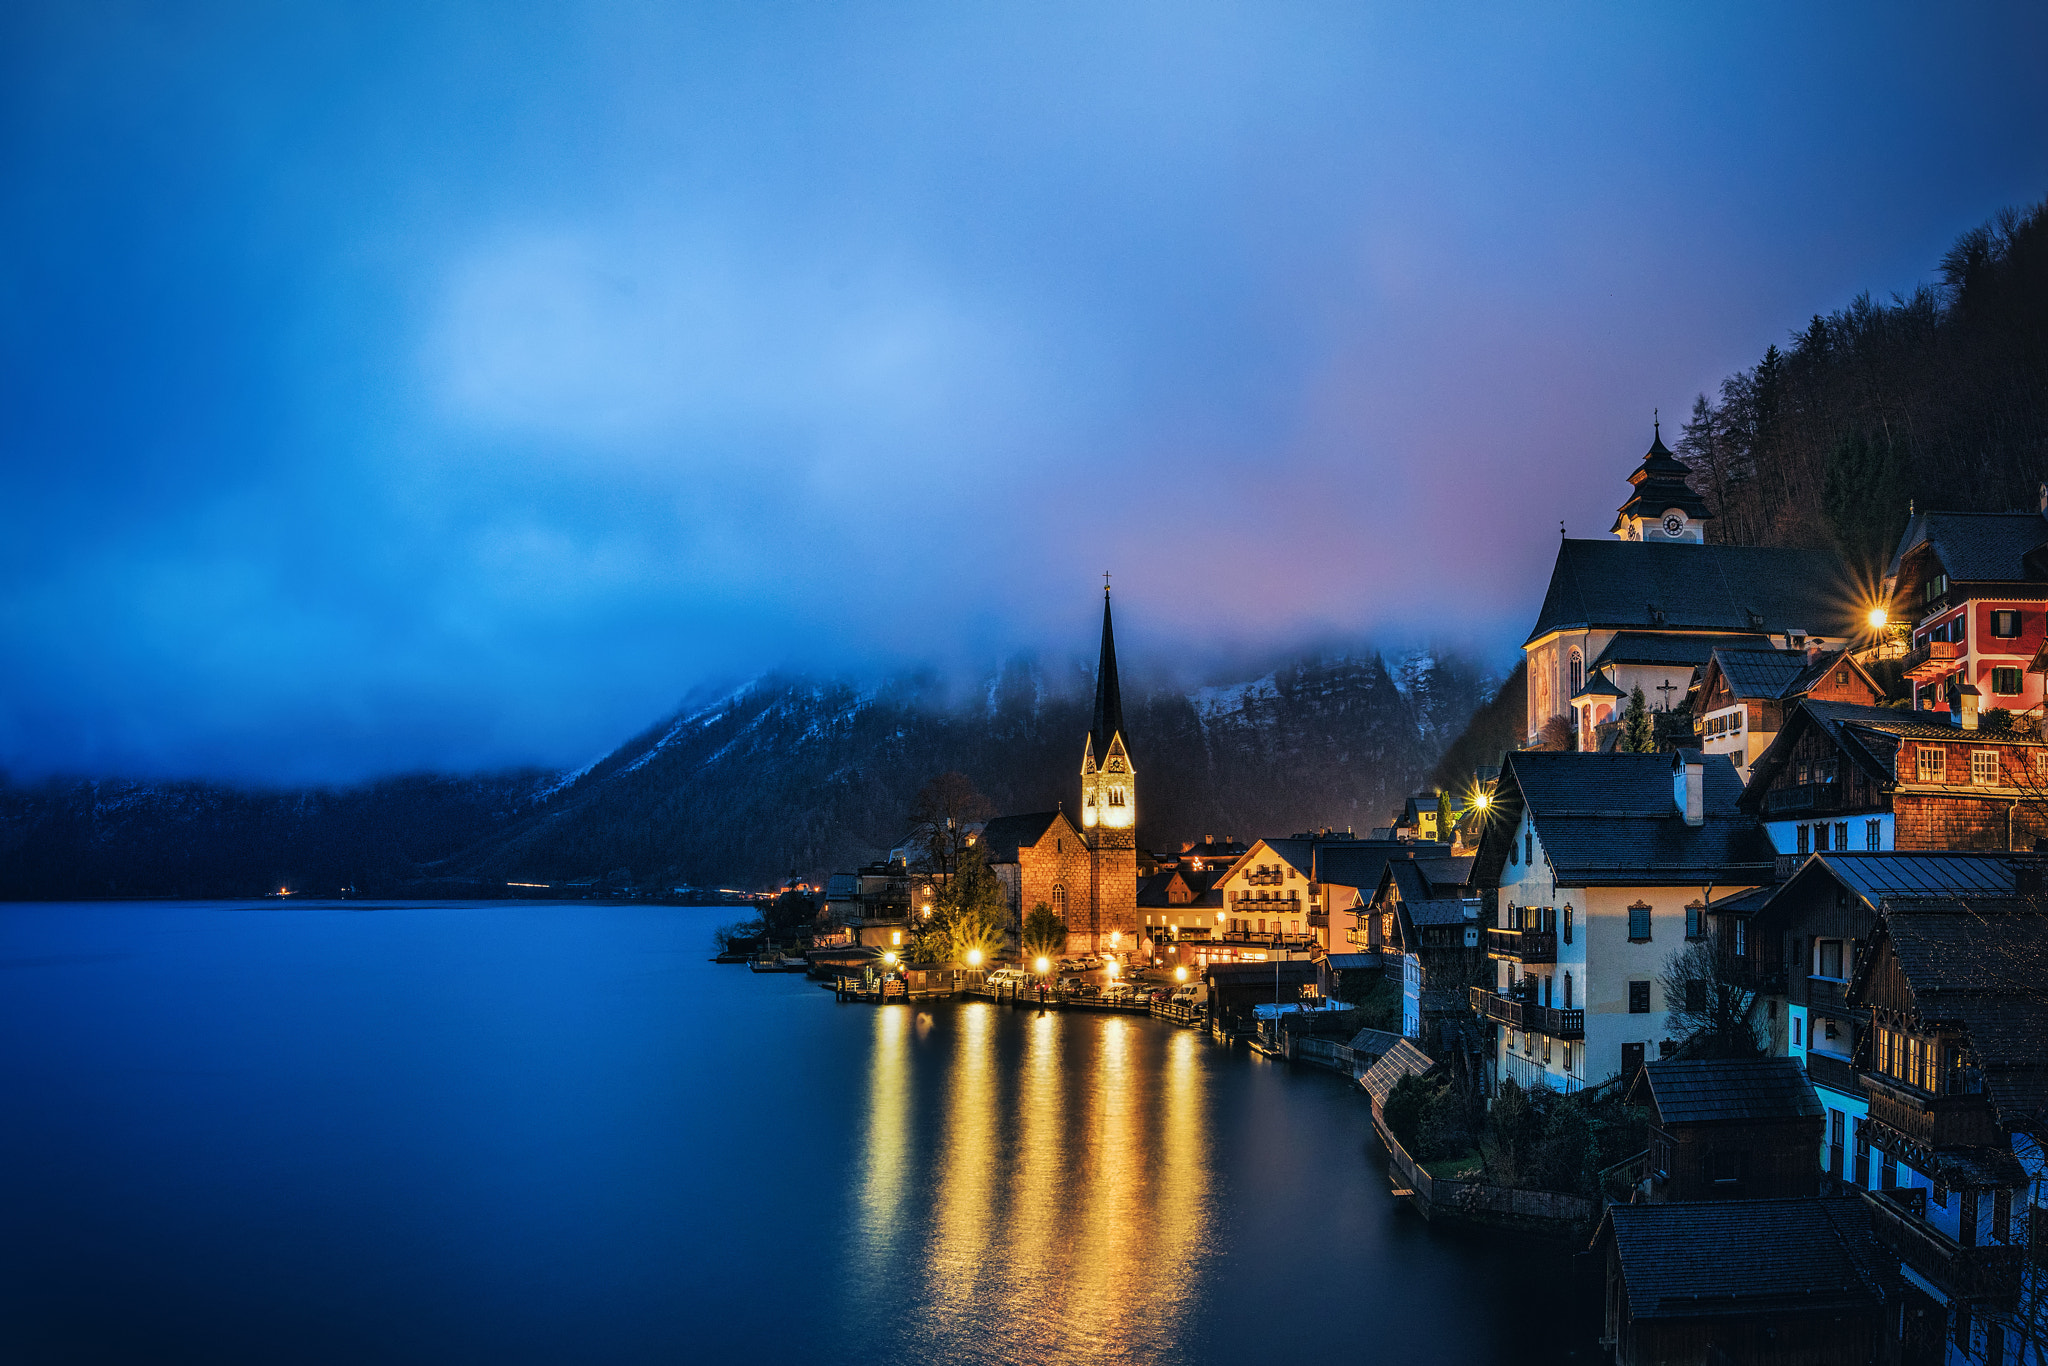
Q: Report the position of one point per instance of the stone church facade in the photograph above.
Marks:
(1087, 874)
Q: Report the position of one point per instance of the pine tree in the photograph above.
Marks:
(1638, 731)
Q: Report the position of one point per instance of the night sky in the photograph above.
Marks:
(435, 386)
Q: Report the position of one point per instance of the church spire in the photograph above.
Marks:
(1109, 699)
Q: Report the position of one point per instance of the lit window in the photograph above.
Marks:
(2006, 682)
(1984, 767)
(1933, 764)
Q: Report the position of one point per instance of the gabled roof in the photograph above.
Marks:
(1975, 547)
(1700, 1259)
(1977, 962)
(1742, 590)
(1005, 835)
(1712, 1091)
(842, 887)
(1156, 890)
(1611, 819)
(1404, 1059)
(1759, 673)
(1358, 863)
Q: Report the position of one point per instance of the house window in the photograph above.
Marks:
(1820, 837)
(1827, 958)
(1741, 939)
(1873, 835)
(1841, 836)
(1803, 837)
(2005, 624)
(1529, 849)
(1933, 764)
(1984, 767)
(1724, 1167)
(1695, 921)
(1567, 923)
(1638, 923)
(1638, 998)
(1567, 991)
(1934, 588)
(2005, 681)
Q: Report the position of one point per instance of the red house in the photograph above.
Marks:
(1975, 587)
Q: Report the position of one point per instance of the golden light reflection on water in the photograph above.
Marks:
(1055, 1204)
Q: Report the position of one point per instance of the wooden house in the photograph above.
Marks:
(1952, 1068)
(1742, 695)
(1710, 1282)
(1437, 929)
(1841, 777)
(1730, 1129)
(1973, 587)
(1797, 945)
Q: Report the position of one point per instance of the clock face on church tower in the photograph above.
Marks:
(1674, 522)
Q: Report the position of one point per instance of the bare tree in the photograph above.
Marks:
(943, 821)
(1704, 1007)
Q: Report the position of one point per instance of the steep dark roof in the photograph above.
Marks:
(1975, 547)
(1155, 890)
(1745, 590)
(1613, 819)
(1978, 962)
(1005, 835)
(1700, 1259)
(1358, 863)
(1702, 1091)
(1109, 697)
(1759, 673)
(1292, 972)
(1914, 873)
(1868, 735)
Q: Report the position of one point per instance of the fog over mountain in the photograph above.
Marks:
(787, 774)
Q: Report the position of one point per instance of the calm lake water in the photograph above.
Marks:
(534, 1133)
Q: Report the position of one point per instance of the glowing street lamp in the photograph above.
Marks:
(1042, 965)
(1112, 967)
(1878, 618)
(974, 958)
(890, 959)
(1180, 974)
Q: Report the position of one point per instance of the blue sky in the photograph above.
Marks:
(439, 386)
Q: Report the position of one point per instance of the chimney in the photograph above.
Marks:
(1689, 786)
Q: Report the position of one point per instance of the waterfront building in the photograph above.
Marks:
(1873, 778)
(1182, 913)
(1598, 866)
(1973, 590)
(1087, 873)
(1435, 926)
(1237, 989)
(1729, 1129)
(1645, 609)
(1795, 946)
(1283, 895)
(1958, 1092)
(1742, 695)
(1343, 875)
(1747, 1281)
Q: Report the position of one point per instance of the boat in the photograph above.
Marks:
(767, 962)
(795, 962)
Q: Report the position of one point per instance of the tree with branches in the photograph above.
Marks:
(943, 820)
(1705, 1008)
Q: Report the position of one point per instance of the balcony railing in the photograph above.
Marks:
(1522, 946)
(1989, 1272)
(1935, 660)
(1803, 797)
(1928, 1122)
(1558, 1024)
(1832, 998)
(1753, 974)
(1824, 1069)
(1271, 879)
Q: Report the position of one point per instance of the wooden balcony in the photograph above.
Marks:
(1522, 946)
(1802, 797)
(1830, 997)
(1987, 1273)
(1929, 1122)
(1753, 974)
(1837, 1074)
(1935, 660)
(1558, 1024)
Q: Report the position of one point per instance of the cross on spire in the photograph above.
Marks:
(1105, 583)
(1656, 424)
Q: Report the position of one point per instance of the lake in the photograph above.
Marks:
(524, 1132)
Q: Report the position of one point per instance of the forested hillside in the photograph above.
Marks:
(1939, 398)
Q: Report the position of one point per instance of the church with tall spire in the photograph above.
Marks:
(1086, 874)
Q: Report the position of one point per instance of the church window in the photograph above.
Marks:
(1059, 902)
(1116, 796)
(1578, 673)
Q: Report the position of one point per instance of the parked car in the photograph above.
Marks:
(1009, 979)
(1069, 984)
(1119, 991)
